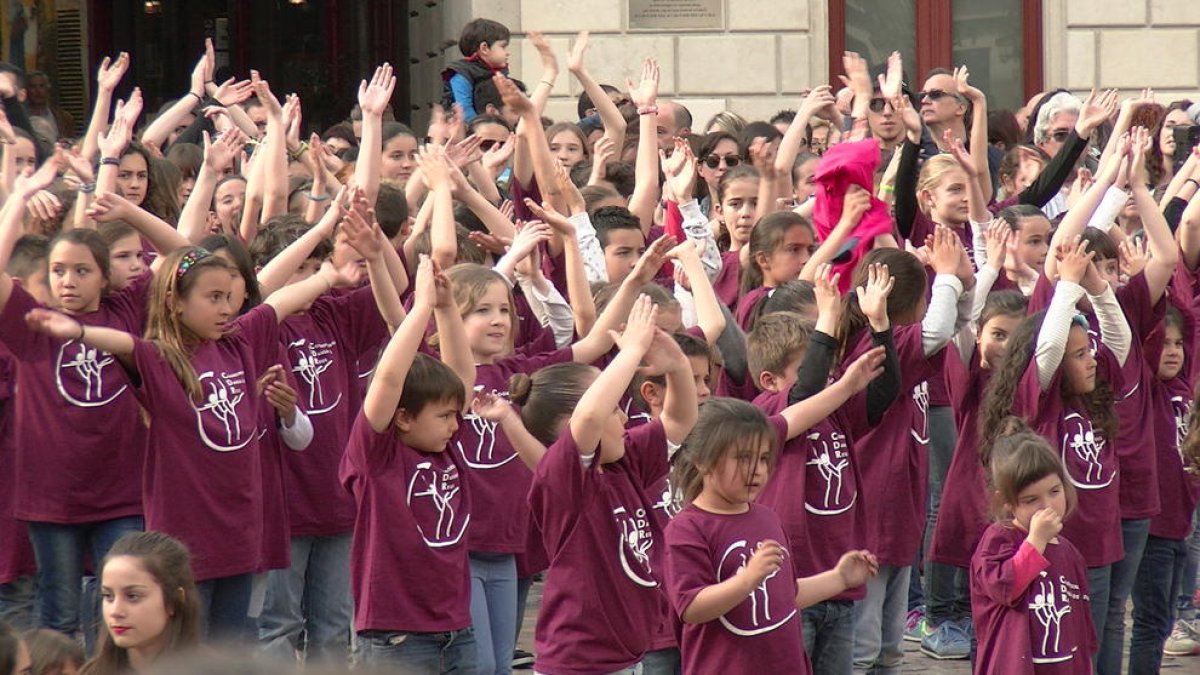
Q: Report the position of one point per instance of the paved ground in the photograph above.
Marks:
(915, 661)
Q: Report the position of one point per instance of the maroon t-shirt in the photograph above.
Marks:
(325, 345)
(729, 279)
(894, 461)
(16, 555)
(762, 634)
(273, 454)
(499, 479)
(963, 511)
(746, 305)
(1043, 627)
(79, 436)
(814, 490)
(203, 473)
(408, 562)
(602, 600)
(1089, 458)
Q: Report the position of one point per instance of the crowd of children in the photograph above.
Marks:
(766, 396)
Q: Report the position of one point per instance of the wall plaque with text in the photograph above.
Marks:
(676, 15)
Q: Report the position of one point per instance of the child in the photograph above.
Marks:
(779, 245)
(484, 43)
(736, 208)
(77, 436)
(1049, 375)
(194, 376)
(400, 467)
(605, 625)
(730, 572)
(150, 604)
(1029, 588)
(1027, 249)
(1160, 574)
(816, 486)
(52, 653)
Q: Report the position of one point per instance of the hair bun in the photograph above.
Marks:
(519, 386)
(1012, 425)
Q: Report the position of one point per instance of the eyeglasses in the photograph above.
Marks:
(879, 104)
(935, 94)
(713, 161)
(1060, 135)
(487, 144)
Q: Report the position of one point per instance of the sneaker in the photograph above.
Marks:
(915, 629)
(1184, 639)
(522, 660)
(947, 641)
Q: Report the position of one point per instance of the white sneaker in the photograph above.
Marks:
(1184, 639)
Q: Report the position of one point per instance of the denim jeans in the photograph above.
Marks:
(451, 653)
(17, 607)
(225, 606)
(1099, 587)
(308, 608)
(662, 662)
(1124, 571)
(1183, 602)
(879, 622)
(936, 590)
(1159, 579)
(523, 586)
(494, 610)
(60, 550)
(829, 636)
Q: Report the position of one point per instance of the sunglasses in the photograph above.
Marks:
(713, 161)
(935, 94)
(488, 144)
(1060, 135)
(877, 105)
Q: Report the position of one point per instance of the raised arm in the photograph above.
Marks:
(804, 415)
(218, 156)
(614, 121)
(1164, 254)
(1056, 326)
(495, 409)
(296, 297)
(709, 317)
(541, 93)
(12, 217)
(582, 306)
(644, 199)
(530, 130)
(373, 99)
(274, 162)
(680, 406)
(1077, 218)
(110, 206)
(979, 136)
(108, 76)
(435, 170)
(161, 127)
(602, 397)
(383, 394)
(275, 274)
(819, 98)
(58, 325)
(978, 183)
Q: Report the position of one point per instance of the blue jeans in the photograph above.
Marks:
(879, 622)
(225, 606)
(1159, 579)
(452, 653)
(829, 636)
(662, 662)
(936, 591)
(308, 608)
(1099, 586)
(1124, 571)
(494, 610)
(17, 607)
(1183, 603)
(60, 550)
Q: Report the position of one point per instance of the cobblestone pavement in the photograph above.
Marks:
(914, 660)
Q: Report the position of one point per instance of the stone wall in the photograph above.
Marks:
(768, 50)
(756, 64)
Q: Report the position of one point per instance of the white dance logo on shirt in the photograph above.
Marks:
(223, 393)
(483, 455)
(1180, 408)
(434, 498)
(832, 459)
(79, 375)
(637, 539)
(1082, 450)
(760, 620)
(920, 430)
(1048, 607)
(311, 360)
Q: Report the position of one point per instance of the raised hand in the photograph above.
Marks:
(575, 59)
(54, 324)
(1134, 256)
(1097, 109)
(262, 89)
(762, 156)
(640, 327)
(820, 98)
(349, 275)
(31, 182)
(961, 77)
(109, 206)
(512, 97)
(219, 156)
(491, 406)
(959, 152)
(133, 108)
(550, 216)
(434, 166)
(857, 77)
(363, 233)
(109, 75)
(890, 84)
(1074, 258)
(998, 236)
(1139, 145)
(232, 91)
(465, 152)
(946, 251)
(549, 60)
(528, 236)
(646, 91)
(663, 356)
(829, 296)
(375, 94)
(201, 73)
(498, 155)
(873, 296)
(680, 171)
(652, 260)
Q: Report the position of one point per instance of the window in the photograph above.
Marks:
(1000, 41)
